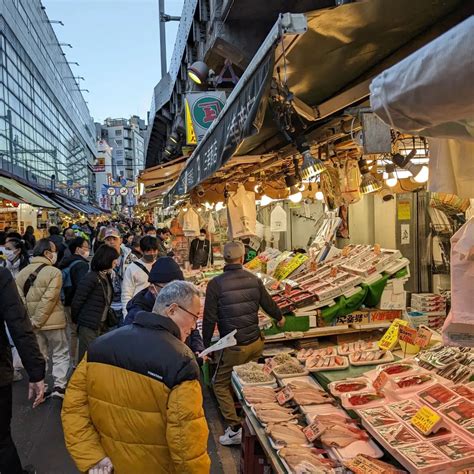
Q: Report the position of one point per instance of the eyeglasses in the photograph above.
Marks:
(195, 316)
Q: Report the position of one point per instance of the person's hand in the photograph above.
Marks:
(36, 391)
(103, 467)
(282, 321)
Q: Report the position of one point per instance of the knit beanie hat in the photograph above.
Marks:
(164, 270)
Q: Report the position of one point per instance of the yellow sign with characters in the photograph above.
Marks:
(426, 420)
(285, 269)
(191, 138)
(390, 338)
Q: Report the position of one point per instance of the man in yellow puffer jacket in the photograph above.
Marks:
(134, 403)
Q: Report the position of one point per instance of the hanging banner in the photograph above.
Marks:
(203, 108)
(242, 117)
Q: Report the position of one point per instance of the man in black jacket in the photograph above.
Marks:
(13, 313)
(233, 300)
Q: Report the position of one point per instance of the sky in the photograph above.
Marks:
(116, 43)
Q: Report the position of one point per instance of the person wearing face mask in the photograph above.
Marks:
(16, 255)
(39, 285)
(164, 242)
(90, 306)
(73, 267)
(200, 251)
(136, 275)
(140, 384)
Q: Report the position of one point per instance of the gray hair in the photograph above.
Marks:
(179, 292)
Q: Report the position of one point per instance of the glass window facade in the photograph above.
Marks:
(46, 133)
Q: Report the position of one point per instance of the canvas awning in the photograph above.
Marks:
(26, 195)
(327, 68)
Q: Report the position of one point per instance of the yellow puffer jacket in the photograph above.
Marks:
(136, 398)
(43, 301)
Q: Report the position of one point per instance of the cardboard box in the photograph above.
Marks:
(394, 295)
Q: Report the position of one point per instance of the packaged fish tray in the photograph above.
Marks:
(357, 346)
(436, 395)
(464, 391)
(367, 447)
(459, 450)
(407, 385)
(377, 417)
(422, 458)
(359, 384)
(311, 412)
(264, 423)
(396, 435)
(252, 374)
(325, 463)
(290, 369)
(460, 412)
(304, 378)
(356, 401)
(277, 441)
(304, 354)
(397, 368)
(330, 363)
(371, 358)
(405, 410)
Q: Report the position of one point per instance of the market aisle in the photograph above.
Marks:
(39, 436)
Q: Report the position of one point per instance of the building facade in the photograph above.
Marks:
(47, 137)
(126, 138)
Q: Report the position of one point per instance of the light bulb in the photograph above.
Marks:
(319, 196)
(265, 200)
(207, 205)
(219, 206)
(301, 187)
(423, 175)
(297, 197)
(185, 209)
(258, 189)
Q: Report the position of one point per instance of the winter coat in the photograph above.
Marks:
(30, 240)
(91, 300)
(233, 300)
(77, 273)
(144, 301)
(125, 259)
(135, 280)
(13, 313)
(199, 252)
(136, 398)
(43, 301)
(162, 250)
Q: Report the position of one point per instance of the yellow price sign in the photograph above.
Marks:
(390, 338)
(425, 420)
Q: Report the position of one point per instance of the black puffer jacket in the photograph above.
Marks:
(13, 313)
(78, 272)
(93, 296)
(233, 300)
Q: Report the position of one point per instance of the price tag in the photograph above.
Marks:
(333, 272)
(423, 337)
(269, 366)
(380, 381)
(407, 334)
(425, 419)
(345, 251)
(314, 430)
(288, 289)
(275, 285)
(284, 395)
(313, 266)
(377, 249)
(390, 338)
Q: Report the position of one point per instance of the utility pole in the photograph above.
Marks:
(161, 12)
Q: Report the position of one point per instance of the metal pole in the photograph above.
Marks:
(161, 11)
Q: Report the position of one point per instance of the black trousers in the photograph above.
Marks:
(9, 460)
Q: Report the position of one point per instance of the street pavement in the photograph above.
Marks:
(38, 435)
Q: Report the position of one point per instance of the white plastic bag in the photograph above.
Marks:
(211, 225)
(278, 219)
(242, 214)
(190, 223)
(458, 328)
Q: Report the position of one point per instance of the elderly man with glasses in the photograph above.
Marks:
(134, 404)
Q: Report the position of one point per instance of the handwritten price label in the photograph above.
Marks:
(390, 338)
(377, 249)
(380, 381)
(333, 272)
(425, 419)
(269, 366)
(285, 395)
(407, 334)
(345, 251)
(423, 337)
(314, 430)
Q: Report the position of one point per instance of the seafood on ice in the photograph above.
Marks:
(318, 361)
(286, 434)
(305, 460)
(255, 395)
(305, 393)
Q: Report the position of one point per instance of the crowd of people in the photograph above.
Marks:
(118, 331)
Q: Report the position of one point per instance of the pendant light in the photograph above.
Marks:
(369, 183)
(311, 166)
(420, 173)
(390, 177)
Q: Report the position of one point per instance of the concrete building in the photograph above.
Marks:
(47, 137)
(126, 138)
(103, 173)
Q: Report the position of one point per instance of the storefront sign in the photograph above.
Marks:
(99, 165)
(425, 420)
(241, 119)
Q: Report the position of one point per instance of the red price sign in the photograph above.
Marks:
(333, 272)
(288, 289)
(314, 430)
(377, 249)
(269, 365)
(423, 337)
(345, 251)
(284, 395)
(380, 381)
(407, 334)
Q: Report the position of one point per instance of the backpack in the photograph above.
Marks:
(67, 280)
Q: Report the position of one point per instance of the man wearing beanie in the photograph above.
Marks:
(232, 301)
(163, 271)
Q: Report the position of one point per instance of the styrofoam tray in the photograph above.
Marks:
(284, 376)
(273, 351)
(336, 393)
(388, 357)
(368, 448)
(338, 367)
(285, 464)
(252, 409)
(306, 378)
(312, 411)
(272, 383)
(412, 468)
(374, 403)
(346, 353)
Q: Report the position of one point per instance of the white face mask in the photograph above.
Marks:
(10, 254)
(202, 237)
(54, 258)
(85, 253)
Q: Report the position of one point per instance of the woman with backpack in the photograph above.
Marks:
(91, 303)
(39, 285)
